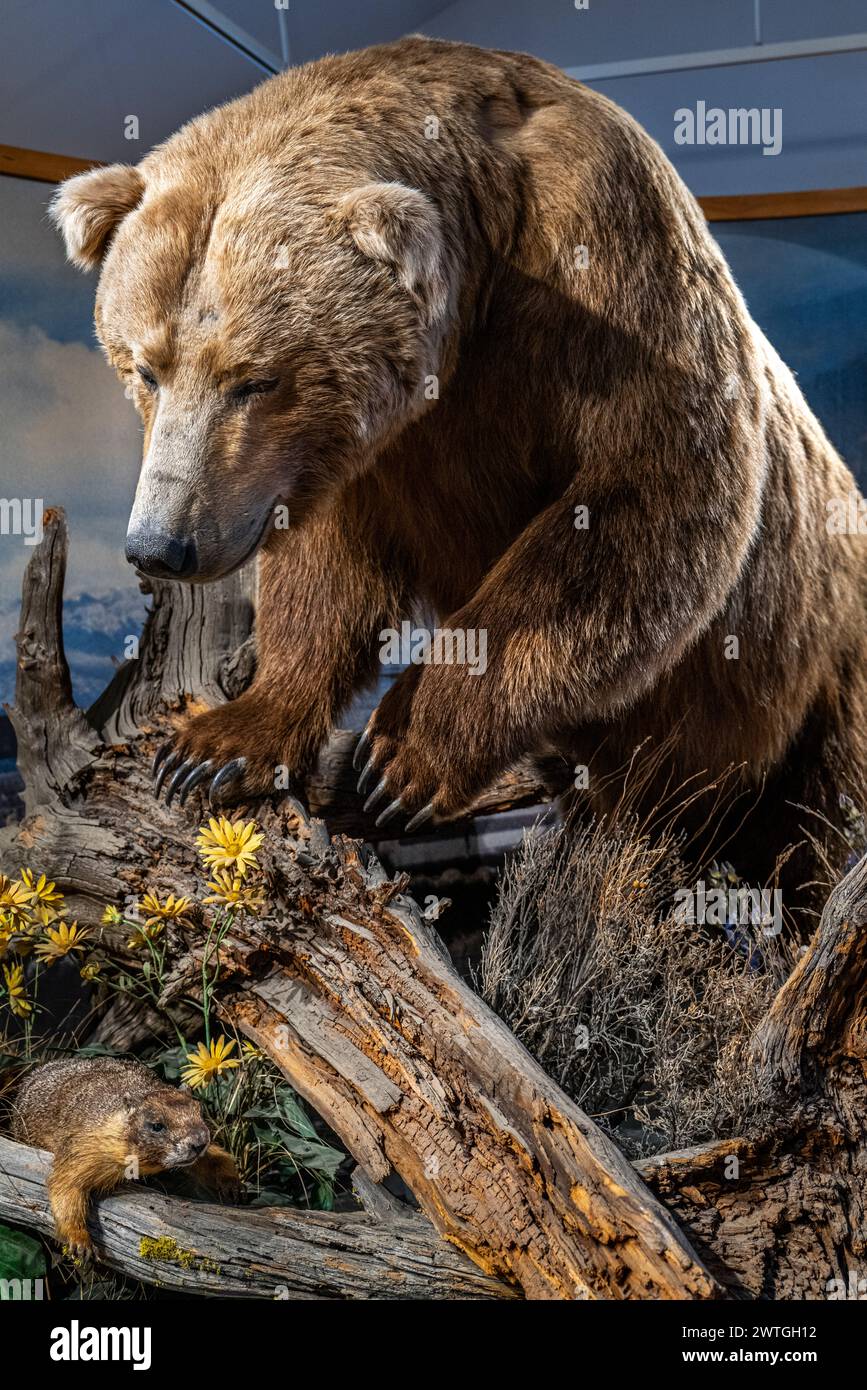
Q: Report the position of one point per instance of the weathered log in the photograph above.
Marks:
(246, 1252)
(348, 986)
(367, 1018)
(783, 1214)
(55, 740)
(817, 1024)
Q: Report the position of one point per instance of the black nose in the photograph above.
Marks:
(163, 556)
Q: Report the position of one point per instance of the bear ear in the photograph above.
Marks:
(89, 207)
(401, 228)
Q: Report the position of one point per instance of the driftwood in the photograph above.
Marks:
(784, 1215)
(243, 1252)
(347, 985)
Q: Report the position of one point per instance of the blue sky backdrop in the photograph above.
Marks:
(67, 435)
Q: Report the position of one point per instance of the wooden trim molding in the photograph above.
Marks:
(810, 202)
(38, 165)
(737, 207)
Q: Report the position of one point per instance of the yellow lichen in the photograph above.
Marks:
(165, 1249)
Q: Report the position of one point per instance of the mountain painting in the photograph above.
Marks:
(69, 438)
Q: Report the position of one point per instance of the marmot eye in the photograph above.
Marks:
(253, 388)
(147, 377)
(156, 1126)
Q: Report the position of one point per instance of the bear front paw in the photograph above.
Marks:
(412, 762)
(230, 754)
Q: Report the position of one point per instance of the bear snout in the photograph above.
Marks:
(160, 553)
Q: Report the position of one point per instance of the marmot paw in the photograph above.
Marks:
(77, 1244)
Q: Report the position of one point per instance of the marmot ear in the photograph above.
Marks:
(128, 1102)
(401, 228)
(89, 207)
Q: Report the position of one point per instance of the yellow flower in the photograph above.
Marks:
(232, 892)
(15, 902)
(16, 995)
(112, 916)
(46, 900)
(60, 941)
(157, 913)
(90, 970)
(224, 844)
(206, 1063)
(148, 931)
(252, 1053)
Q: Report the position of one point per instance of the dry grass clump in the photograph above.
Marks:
(643, 1018)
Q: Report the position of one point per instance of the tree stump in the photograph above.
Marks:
(348, 987)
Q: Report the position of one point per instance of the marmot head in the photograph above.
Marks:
(276, 319)
(164, 1130)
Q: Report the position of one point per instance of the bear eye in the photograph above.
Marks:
(253, 388)
(147, 377)
(156, 1126)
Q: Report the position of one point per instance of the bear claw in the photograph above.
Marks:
(228, 773)
(361, 750)
(161, 753)
(419, 819)
(196, 776)
(186, 774)
(178, 777)
(392, 809)
(167, 766)
(379, 791)
(366, 776)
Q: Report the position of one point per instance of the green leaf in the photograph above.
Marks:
(317, 1157)
(324, 1196)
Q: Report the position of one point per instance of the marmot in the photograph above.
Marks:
(105, 1120)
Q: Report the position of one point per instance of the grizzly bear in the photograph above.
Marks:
(439, 330)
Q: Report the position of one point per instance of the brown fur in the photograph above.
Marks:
(310, 236)
(96, 1116)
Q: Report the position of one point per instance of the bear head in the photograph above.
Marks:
(275, 324)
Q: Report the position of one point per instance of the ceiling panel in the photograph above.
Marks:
(72, 73)
(330, 26)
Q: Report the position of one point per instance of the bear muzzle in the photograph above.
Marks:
(161, 554)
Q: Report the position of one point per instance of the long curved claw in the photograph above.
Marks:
(419, 819)
(379, 791)
(392, 809)
(161, 753)
(167, 767)
(366, 776)
(196, 776)
(361, 751)
(299, 808)
(178, 777)
(226, 774)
